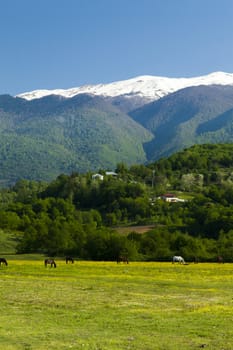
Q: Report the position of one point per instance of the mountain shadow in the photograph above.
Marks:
(177, 119)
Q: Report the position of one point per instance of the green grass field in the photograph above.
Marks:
(105, 306)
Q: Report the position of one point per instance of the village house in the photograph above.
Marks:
(97, 177)
(101, 177)
(171, 198)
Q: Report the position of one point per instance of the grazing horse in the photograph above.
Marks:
(178, 259)
(69, 258)
(220, 260)
(51, 262)
(3, 260)
(122, 258)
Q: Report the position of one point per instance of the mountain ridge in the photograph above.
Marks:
(148, 87)
(41, 138)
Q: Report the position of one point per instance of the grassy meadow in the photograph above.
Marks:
(105, 306)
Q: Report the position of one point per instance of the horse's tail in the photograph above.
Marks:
(54, 264)
(6, 263)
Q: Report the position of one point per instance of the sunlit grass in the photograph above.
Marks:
(103, 305)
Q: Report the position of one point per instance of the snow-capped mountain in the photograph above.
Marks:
(113, 124)
(148, 87)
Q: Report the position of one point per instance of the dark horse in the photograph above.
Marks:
(69, 258)
(220, 259)
(122, 258)
(51, 262)
(3, 260)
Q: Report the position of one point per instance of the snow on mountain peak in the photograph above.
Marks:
(149, 87)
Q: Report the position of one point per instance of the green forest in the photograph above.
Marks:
(84, 215)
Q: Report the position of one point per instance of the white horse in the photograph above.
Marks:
(178, 259)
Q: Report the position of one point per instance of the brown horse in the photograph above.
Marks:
(51, 262)
(220, 259)
(69, 258)
(3, 260)
(122, 258)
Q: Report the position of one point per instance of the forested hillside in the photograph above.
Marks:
(78, 214)
(44, 137)
(195, 115)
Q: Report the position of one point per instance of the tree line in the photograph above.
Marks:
(76, 214)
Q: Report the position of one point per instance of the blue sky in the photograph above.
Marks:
(47, 44)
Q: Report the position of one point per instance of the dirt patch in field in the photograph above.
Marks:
(137, 229)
